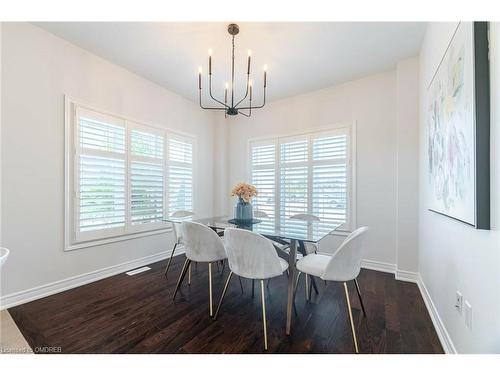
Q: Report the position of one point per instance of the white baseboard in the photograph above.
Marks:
(409, 276)
(38, 292)
(441, 331)
(378, 266)
(390, 268)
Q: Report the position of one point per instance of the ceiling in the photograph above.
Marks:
(301, 57)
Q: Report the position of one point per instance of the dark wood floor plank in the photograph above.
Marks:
(136, 314)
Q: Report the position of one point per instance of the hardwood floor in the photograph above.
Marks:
(136, 314)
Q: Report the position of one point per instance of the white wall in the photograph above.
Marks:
(454, 256)
(372, 104)
(38, 69)
(407, 165)
(1, 88)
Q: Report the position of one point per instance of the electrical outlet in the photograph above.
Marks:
(468, 315)
(459, 300)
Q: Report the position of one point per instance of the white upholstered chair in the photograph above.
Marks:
(260, 214)
(177, 234)
(310, 248)
(343, 266)
(203, 245)
(252, 256)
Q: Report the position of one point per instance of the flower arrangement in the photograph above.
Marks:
(244, 191)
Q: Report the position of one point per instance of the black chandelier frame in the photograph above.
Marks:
(232, 109)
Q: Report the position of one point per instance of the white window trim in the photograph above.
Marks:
(70, 150)
(310, 132)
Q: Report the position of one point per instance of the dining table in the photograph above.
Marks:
(282, 230)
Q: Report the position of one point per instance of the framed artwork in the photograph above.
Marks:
(459, 129)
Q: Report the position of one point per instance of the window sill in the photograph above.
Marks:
(126, 237)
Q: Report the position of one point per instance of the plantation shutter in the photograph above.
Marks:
(303, 174)
(146, 176)
(330, 177)
(263, 160)
(100, 178)
(180, 174)
(294, 189)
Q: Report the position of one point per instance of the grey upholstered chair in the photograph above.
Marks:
(252, 256)
(202, 245)
(310, 248)
(177, 236)
(260, 214)
(343, 266)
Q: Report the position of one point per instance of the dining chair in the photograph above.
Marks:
(203, 245)
(309, 248)
(177, 234)
(254, 257)
(280, 246)
(343, 266)
(260, 214)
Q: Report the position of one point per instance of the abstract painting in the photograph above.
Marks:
(452, 132)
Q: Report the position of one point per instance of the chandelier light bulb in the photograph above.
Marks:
(210, 52)
(227, 85)
(200, 70)
(250, 83)
(265, 68)
(249, 52)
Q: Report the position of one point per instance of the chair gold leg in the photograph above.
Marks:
(189, 275)
(350, 318)
(263, 298)
(181, 276)
(223, 294)
(170, 259)
(210, 287)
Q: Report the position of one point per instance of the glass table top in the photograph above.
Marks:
(288, 229)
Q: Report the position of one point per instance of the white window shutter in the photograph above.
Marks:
(100, 182)
(294, 187)
(310, 174)
(330, 178)
(263, 161)
(146, 177)
(180, 174)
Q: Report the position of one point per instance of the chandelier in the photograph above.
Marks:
(233, 107)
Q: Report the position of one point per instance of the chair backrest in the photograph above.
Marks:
(177, 226)
(201, 243)
(251, 255)
(261, 214)
(346, 261)
(182, 213)
(305, 217)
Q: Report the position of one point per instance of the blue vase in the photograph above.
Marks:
(243, 211)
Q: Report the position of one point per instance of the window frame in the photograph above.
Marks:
(73, 239)
(311, 134)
